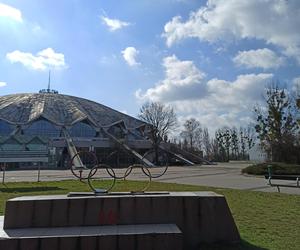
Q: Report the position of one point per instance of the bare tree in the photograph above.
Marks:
(243, 142)
(162, 119)
(234, 143)
(250, 136)
(214, 149)
(192, 132)
(223, 136)
(276, 125)
(207, 145)
(298, 105)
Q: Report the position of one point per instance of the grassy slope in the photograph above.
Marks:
(265, 220)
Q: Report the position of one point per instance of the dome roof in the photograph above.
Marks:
(62, 110)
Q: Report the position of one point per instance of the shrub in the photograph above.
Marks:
(277, 168)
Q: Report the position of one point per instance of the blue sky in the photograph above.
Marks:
(208, 59)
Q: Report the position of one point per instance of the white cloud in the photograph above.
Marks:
(129, 55)
(43, 60)
(10, 12)
(214, 102)
(227, 103)
(296, 85)
(114, 24)
(3, 84)
(260, 58)
(182, 81)
(237, 95)
(276, 22)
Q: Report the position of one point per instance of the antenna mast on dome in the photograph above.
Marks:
(48, 90)
(49, 81)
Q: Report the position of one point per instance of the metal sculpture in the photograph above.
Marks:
(160, 161)
(94, 177)
(82, 163)
(85, 167)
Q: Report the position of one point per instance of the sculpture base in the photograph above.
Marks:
(193, 217)
(93, 194)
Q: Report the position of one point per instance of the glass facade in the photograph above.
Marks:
(5, 128)
(117, 131)
(36, 145)
(42, 127)
(11, 144)
(82, 129)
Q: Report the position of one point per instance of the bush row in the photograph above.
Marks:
(277, 168)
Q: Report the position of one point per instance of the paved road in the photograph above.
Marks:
(224, 175)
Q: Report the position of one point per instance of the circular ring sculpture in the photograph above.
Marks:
(144, 169)
(163, 161)
(92, 174)
(88, 160)
(115, 176)
(84, 166)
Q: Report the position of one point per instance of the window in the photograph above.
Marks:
(82, 129)
(117, 131)
(36, 145)
(42, 127)
(5, 128)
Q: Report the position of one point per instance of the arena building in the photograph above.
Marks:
(36, 127)
(48, 129)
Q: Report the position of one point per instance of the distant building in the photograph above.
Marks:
(257, 154)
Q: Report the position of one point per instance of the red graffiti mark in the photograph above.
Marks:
(108, 218)
(112, 218)
(102, 217)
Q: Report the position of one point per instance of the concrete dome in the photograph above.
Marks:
(62, 110)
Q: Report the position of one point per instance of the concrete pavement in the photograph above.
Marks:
(223, 175)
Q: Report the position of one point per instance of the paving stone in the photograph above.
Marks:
(89, 243)
(76, 212)
(109, 214)
(108, 242)
(143, 210)
(159, 210)
(69, 243)
(12, 244)
(92, 211)
(31, 243)
(127, 211)
(19, 214)
(49, 243)
(42, 213)
(145, 242)
(60, 211)
(126, 242)
(10, 212)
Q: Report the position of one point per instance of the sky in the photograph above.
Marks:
(210, 60)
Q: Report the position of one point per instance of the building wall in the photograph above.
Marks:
(257, 154)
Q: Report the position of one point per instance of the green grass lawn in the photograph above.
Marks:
(264, 220)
